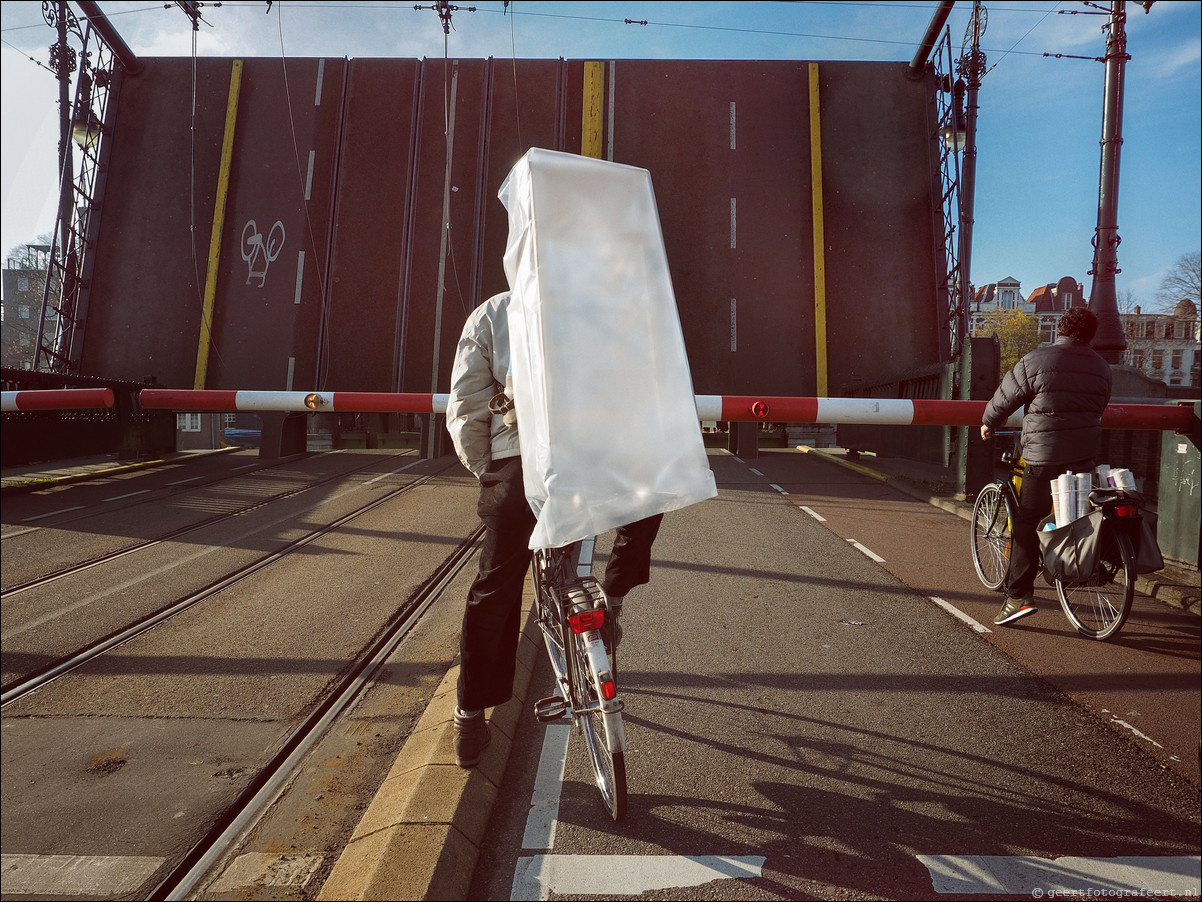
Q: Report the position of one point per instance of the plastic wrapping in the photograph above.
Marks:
(604, 399)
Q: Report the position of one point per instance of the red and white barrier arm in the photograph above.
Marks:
(297, 401)
(728, 408)
(57, 399)
(879, 411)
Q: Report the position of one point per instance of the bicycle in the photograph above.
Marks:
(573, 615)
(1098, 606)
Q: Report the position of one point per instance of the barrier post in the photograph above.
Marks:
(284, 434)
(744, 440)
(984, 356)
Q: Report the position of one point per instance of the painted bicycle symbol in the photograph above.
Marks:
(259, 254)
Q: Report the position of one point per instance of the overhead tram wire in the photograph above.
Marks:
(300, 175)
(513, 55)
(192, 11)
(445, 12)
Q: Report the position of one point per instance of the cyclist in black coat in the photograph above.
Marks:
(1065, 387)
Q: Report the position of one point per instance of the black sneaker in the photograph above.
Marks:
(1014, 609)
(615, 618)
(471, 739)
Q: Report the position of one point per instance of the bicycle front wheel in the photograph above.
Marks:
(1098, 607)
(992, 523)
(603, 741)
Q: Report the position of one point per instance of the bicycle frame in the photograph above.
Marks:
(569, 600)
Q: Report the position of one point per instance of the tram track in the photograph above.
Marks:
(31, 682)
(224, 837)
(185, 530)
(224, 761)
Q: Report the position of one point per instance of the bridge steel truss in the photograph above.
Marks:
(83, 163)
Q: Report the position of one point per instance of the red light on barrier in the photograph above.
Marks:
(760, 409)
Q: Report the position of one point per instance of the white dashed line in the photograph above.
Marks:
(876, 557)
(957, 613)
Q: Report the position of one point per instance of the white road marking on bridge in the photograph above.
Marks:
(608, 876)
(183, 481)
(778, 488)
(75, 875)
(128, 495)
(259, 869)
(65, 510)
(548, 784)
(813, 513)
(1125, 725)
(1140, 875)
(755, 471)
(872, 554)
(956, 612)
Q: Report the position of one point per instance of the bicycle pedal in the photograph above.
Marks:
(547, 710)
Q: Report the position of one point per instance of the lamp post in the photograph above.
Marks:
(1110, 342)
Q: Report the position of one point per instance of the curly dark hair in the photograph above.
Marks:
(1077, 323)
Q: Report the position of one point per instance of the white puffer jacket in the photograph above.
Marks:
(479, 371)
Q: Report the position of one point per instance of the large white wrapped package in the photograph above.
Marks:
(604, 400)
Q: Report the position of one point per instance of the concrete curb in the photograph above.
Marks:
(421, 834)
(1178, 590)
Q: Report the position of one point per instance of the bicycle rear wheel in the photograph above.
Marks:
(1098, 607)
(604, 741)
(992, 520)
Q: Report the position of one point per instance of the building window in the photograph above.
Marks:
(1157, 360)
(23, 311)
(1176, 360)
(22, 284)
(1137, 361)
(187, 422)
(1150, 329)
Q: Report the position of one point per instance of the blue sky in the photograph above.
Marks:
(1039, 127)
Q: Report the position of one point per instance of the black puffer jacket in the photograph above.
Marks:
(1065, 387)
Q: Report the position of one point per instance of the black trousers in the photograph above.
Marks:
(488, 643)
(1034, 503)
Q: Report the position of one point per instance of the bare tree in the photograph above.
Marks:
(25, 269)
(1181, 282)
(1127, 301)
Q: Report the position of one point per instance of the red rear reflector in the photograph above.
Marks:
(583, 621)
(608, 690)
(1127, 510)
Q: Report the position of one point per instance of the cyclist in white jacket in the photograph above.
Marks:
(487, 444)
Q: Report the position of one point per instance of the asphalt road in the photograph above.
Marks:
(817, 703)
(802, 715)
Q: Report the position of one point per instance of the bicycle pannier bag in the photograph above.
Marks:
(1070, 553)
(1147, 552)
(606, 414)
